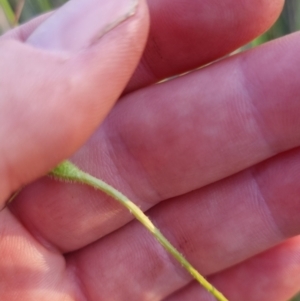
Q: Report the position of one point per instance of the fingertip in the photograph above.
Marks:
(263, 13)
(61, 97)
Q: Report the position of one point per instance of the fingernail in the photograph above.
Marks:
(79, 23)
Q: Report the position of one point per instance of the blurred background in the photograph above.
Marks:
(14, 12)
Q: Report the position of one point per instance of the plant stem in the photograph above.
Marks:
(9, 13)
(69, 171)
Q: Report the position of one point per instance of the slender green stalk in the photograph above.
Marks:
(69, 171)
(9, 13)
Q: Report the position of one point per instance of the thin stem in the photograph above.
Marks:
(69, 171)
(8, 11)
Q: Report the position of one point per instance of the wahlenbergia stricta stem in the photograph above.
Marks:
(68, 171)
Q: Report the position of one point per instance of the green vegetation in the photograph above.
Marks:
(68, 171)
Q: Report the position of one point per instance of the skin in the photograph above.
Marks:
(212, 156)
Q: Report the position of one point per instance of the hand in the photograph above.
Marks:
(211, 156)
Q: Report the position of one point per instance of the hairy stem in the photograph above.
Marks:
(69, 171)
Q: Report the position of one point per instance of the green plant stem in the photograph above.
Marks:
(9, 13)
(68, 171)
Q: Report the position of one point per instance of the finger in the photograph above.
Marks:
(273, 275)
(174, 138)
(22, 32)
(197, 129)
(59, 98)
(216, 228)
(30, 271)
(181, 42)
(185, 35)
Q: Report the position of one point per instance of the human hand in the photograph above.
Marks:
(168, 143)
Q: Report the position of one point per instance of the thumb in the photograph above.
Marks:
(59, 85)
